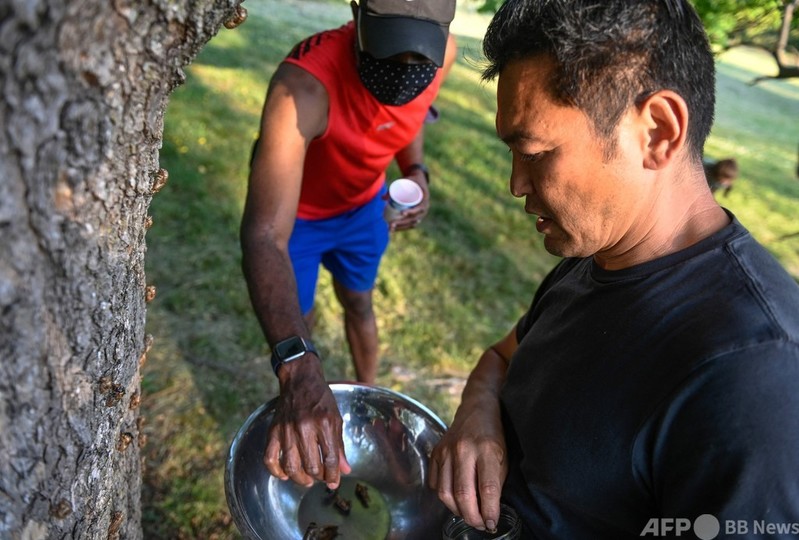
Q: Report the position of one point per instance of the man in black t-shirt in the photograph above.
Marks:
(640, 392)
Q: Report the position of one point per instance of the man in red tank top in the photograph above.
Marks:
(341, 106)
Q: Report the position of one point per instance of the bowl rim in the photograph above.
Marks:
(235, 507)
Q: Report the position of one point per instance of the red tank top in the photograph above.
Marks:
(345, 167)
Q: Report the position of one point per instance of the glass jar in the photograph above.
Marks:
(509, 527)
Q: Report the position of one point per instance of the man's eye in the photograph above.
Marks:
(531, 157)
(528, 157)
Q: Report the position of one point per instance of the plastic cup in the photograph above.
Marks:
(509, 527)
(403, 194)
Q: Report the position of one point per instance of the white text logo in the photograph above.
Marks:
(707, 527)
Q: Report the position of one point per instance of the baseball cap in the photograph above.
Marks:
(389, 27)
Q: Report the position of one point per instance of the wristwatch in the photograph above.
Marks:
(291, 349)
(420, 167)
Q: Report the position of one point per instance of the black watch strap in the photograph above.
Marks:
(418, 167)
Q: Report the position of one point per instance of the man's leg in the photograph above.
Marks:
(361, 329)
(363, 238)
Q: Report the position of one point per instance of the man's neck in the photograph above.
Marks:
(681, 215)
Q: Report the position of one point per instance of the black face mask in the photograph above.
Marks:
(394, 83)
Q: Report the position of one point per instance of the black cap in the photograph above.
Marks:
(389, 27)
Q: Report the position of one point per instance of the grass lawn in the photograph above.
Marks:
(445, 291)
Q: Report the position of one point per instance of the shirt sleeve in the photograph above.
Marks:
(727, 444)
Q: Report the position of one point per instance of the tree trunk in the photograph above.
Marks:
(788, 66)
(84, 86)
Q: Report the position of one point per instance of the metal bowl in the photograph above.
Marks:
(388, 438)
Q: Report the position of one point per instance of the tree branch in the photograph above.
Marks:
(788, 66)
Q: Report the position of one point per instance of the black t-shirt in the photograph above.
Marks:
(665, 390)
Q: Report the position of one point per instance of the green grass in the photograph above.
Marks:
(445, 290)
(759, 126)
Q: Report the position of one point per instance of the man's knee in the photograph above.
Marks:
(356, 303)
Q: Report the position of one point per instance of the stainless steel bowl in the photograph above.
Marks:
(388, 438)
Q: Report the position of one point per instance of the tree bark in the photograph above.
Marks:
(84, 86)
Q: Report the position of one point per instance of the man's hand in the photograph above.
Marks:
(413, 216)
(305, 442)
(468, 467)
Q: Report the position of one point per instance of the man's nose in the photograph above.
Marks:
(519, 183)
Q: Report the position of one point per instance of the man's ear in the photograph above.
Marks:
(665, 115)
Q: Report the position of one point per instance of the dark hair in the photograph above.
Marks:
(610, 54)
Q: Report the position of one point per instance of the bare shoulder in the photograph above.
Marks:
(297, 81)
(298, 99)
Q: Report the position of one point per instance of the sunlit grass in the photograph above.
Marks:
(445, 290)
(759, 126)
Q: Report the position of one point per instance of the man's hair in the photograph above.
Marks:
(611, 54)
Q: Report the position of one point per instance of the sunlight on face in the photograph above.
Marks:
(584, 201)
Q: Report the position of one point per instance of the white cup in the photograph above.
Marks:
(403, 194)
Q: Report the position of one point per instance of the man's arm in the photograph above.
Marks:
(468, 467)
(307, 418)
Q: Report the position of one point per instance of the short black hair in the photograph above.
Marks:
(610, 54)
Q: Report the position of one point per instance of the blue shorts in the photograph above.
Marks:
(350, 246)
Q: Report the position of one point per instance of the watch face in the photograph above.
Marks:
(290, 348)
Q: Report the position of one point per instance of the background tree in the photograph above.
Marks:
(760, 23)
(84, 87)
(787, 62)
(736, 22)
(763, 23)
